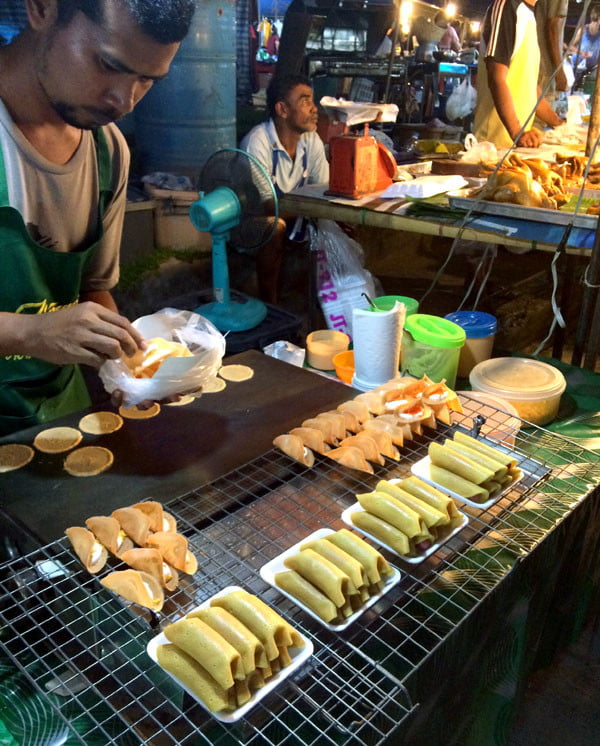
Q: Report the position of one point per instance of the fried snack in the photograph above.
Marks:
(90, 551)
(220, 659)
(247, 644)
(311, 437)
(383, 531)
(458, 485)
(193, 676)
(374, 563)
(146, 363)
(322, 573)
(367, 445)
(293, 447)
(300, 588)
(134, 522)
(373, 401)
(358, 408)
(351, 421)
(438, 395)
(151, 561)
(154, 511)
(431, 496)
(324, 425)
(137, 587)
(14, 456)
(432, 517)
(384, 442)
(109, 533)
(352, 457)
(173, 548)
(338, 423)
(393, 430)
(461, 465)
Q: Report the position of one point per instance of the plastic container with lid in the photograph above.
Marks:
(480, 329)
(322, 345)
(431, 346)
(386, 303)
(532, 387)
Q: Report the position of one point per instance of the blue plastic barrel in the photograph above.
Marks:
(189, 115)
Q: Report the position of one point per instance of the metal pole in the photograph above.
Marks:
(395, 33)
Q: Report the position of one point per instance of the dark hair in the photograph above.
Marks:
(280, 86)
(595, 13)
(165, 21)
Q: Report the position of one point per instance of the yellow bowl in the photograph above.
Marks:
(343, 363)
(322, 345)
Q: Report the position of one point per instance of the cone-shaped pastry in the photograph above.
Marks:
(90, 551)
(135, 524)
(367, 445)
(173, 548)
(351, 421)
(373, 400)
(358, 408)
(109, 533)
(169, 522)
(312, 438)
(150, 561)
(436, 394)
(375, 564)
(338, 422)
(325, 426)
(138, 587)
(384, 442)
(220, 659)
(394, 430)
(194, 677)
(352, 457)
(154, 511)
(293, 447)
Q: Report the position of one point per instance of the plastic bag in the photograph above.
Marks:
(341, 276)
(176, 375)
(461, 101)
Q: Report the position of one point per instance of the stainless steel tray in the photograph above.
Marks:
(462, 199)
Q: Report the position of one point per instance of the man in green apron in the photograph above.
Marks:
(79, 66)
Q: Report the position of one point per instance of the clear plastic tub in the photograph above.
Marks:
(532, 387)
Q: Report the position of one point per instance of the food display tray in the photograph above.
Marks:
(298, 656)
(446, 536)
(276, 565)
(463, 199)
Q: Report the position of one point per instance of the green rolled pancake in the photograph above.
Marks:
(220, 659)
(392, 511)
(383, 531)
(194, 677)
(346, 562)
(375, 564)
(294, 584)
(461, 465)
(323, 574)
(505, 458)
(500, 470)
(435, 498)
(432, 517)
(247, 644)
(458, 485)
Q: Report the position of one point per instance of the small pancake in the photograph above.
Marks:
(213, 386)
(14, 456)
(57, 439)
(134, 413)
(100, 423)
(182, 401)
(88, 461)
(236, 372)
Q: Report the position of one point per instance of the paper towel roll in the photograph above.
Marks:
(377, 337)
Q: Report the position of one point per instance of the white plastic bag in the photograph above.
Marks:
(176, 375)
(462, 100)
(341, 276)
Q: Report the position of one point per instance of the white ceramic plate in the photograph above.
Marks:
(298, 656)
(421, 469)
(357, 508)
(276, 565)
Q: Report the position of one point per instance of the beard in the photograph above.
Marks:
(83, 118)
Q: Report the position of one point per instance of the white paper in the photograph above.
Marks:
(425, 186)
(377, 337)
(355, 112)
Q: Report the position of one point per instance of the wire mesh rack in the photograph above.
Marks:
(84, 649)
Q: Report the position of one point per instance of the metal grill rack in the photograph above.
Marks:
(85, 649)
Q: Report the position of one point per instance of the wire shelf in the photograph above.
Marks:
(84, 649)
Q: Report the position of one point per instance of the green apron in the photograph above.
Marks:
(35, 279)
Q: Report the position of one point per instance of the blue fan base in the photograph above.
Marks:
(232, 316)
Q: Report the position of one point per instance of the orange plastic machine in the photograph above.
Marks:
(359, 165)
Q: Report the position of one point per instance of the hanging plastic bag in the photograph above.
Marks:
(461, 101)
(341, 276)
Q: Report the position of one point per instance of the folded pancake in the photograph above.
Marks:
(220, 659)
(461, 465)
(247, 644)
(338, 423)
(374, 563)
(169, 522)
(311, 437)
(300, 588)
(432, 517)
(373, 400)
(394, 430)
(323, 574)
(154, 511)
(351, 422)
(134, 522)
(367, 445)
(109, 533)
(415, 411)
(242, 693)
(352, 457)
(90, 551)
(193, 676)
(325, 426)
(505, 458)
(500, 471)
(150, 561)
(293, 447)
(384, 442)
(435, 498)
(439, 394)
(341, 559)
(458, 485)
(442, 413)
(383, 531)
(173, 548)
(136, 586)
(358, 408)
(397, 514)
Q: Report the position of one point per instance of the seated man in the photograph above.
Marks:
(292, 153)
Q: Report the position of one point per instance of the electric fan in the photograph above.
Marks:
(237, 205)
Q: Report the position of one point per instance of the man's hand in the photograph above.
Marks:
(530, 139)
(86, 333)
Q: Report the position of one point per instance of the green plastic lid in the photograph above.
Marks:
(386, 303)
(434, 331)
